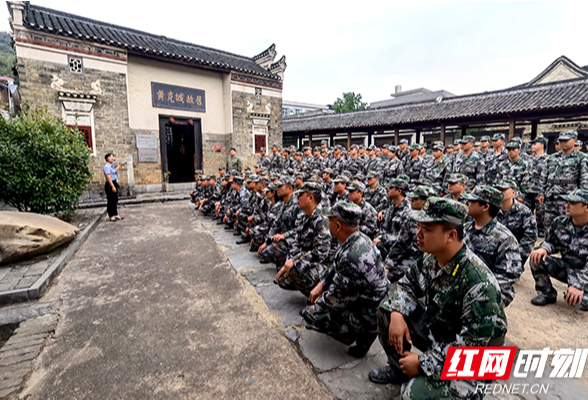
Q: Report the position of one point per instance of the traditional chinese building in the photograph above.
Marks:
(168, 107)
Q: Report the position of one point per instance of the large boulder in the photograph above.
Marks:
(23, 235)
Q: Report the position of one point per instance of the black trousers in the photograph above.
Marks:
(111, 198)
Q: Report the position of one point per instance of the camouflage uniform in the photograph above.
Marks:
(368, 224)
(564, 173)
(393, 169)
(378, 198)
(471, 166)
(495, 245)
(376, 166)
(234, 163)
(495, 166)
(353, 288)
(264, 162)
(534, 186)
(521, 222)
(308, 247)
(356, 165)
(413, 169)
(437, 173)
(462, 307)
(277, 163)
(338, 165)
(572, 242)
(515, 171)
(263, 218)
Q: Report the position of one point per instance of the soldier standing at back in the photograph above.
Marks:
(438, 169)
(535, 183)
(485, 150)
(345, 302)
(369, 217)
(518, 218)
(515, 167)
(375, 194)
(403, 154)
(492, 241)
(276, 161)
(234, 162)
(470, 164)
(497, 157)
(394, 167)
(264, 161)
(568, 235)
(567, 170)
(375, 164)
(461, 307)
(414, 165)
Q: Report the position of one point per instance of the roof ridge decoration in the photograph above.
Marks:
(38, 18)
(279, 67)
(266, 57)
(574, 71)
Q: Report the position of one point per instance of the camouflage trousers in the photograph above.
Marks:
(551, 267)
(267, 254)
(258, 234)
(538, 208)
(420, 387)
(303, 278)
(345, 325)
(554, 207)
(242, 222)
(397, 269)
(208, 208)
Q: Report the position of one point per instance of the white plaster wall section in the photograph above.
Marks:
(250, 89)
(142, 71)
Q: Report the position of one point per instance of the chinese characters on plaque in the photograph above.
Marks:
(178, 98)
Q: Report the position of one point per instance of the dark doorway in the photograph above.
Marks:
(181, 148)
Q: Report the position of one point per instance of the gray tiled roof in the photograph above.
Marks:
(550, 96)
(134, 41)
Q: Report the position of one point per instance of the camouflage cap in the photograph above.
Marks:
(437, 209)
(513, 145)
(274, 146)
(298, 153)
(361, 146)
(578, 195)
(579, 143)
(341, 179)
(354, 146)
(238, 180)
(413, 146)
(450, 146)
(498, 136)
(402, 141)
(254, 178)
(567, 135)
(468, 138)
(398, 184)
(323, 150)
(506, 184)
(339, 147)
(263, 180)
(356, 186)
(518, 139)
(299, 175)
(540, 139)
(316, 179)
(202, 178)
(371, 148)
(404, 177)
(438, 146)
(386, 146)
(347, 174)
(424, 182)
(328, 171)
(486, 194)
(310, 187)
(274, 177)
(305, 148)
(485, 139)
(285, 180)
(371, 175)
(457, 141)
(423, 192)
(324, 141)
(477, 144)
(262, 149)
(211, 176)
(346, 212)
(394, 149)
(199, 171)
(271, 187)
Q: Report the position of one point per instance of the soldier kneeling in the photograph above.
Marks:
(462, 307)
(345, 302)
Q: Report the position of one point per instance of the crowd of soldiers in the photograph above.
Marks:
(410, 247)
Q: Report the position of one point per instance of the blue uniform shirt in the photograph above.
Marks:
(110, 169)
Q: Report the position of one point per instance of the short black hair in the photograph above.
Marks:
(232, 149)
(493, 210)
(448, 226)
(106, 156)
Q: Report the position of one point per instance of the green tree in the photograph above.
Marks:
(43, 164)
(7, 56)
(349, 102)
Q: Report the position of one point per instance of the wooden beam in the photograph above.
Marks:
(348, 140)
(511, 129)
(534, 129)
(396, 136)
(442, 134)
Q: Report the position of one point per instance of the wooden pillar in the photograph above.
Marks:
(534, 129)
(310, 141)
(348, 140)
(332, 140)
(464, 130)
(511, 129)
(299, 141)
(370, 138)
(442, 134)
(418, 135)
(396, 136)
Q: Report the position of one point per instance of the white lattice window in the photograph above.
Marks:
(80, 114)
(76, 65)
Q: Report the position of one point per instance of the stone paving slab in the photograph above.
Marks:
(284, 302)
(226, 238)
(247, 261)
(262, 276)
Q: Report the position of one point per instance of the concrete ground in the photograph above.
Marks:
(152, 309)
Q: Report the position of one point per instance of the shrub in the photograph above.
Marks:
(43, 164)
